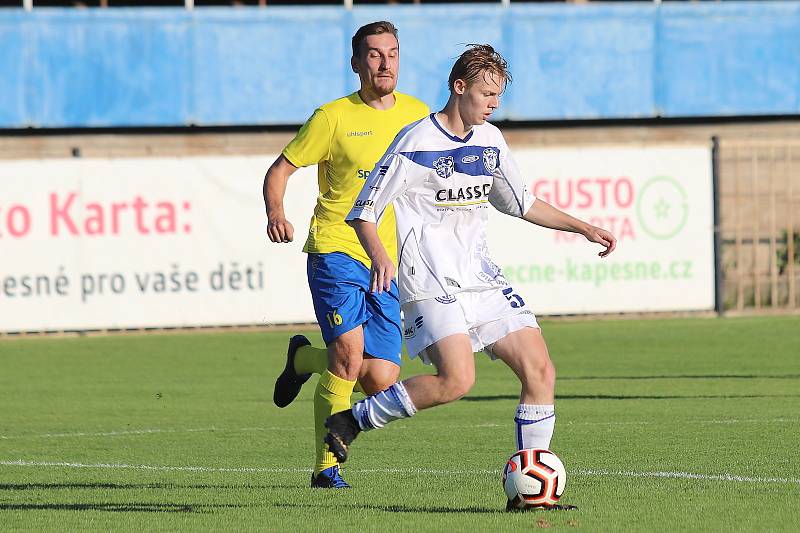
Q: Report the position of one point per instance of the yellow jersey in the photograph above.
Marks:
(345, 138)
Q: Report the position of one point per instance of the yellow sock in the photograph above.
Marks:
(332, 395)
(310, 360)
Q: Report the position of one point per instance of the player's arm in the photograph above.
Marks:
(543, 214)
(383, 269)
(510, 195)
(310, 146)
(279, 228)
(385, 183)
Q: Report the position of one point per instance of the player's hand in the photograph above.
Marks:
(280, 229)
(381, 274)
(603, 237)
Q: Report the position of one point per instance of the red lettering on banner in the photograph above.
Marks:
(626, 230)
(562, 203)
(18, 221)
(592, 194)
(61, 213)
(603, 182)
(114, 218)
(586, 193)
(166, 221)
(94, 223)
(115, 213)
(623, 184)
(621, 227)
(138, 207)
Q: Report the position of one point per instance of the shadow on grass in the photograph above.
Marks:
(686, 376)
(127, 507)
(130, 486)
(638, 397)
(399, 508)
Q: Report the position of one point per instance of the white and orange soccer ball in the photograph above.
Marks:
(534, 478)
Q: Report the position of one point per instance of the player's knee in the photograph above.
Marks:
(345, 357)
(456, 387)
(541, 371)
(549, 373)
(377, 380)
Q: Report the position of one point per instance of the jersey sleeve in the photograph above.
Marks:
(312, 143)
(509, 194)
(385, 183)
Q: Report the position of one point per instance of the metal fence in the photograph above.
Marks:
(759, 201)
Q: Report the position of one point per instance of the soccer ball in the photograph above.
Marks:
(534, 478)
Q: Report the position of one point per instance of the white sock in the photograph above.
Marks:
(535, 424)
(380, 409)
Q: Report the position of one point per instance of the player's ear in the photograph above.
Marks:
(354, 64)
(459, 86)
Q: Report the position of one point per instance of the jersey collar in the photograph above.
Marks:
(448, 134)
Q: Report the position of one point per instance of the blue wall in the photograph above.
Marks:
(225, 66)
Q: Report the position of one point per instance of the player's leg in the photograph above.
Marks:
(383, 341)
(377, 374)
(332, 395)
(525, 352)
(336, 282)
(455, 375)
(437, 330)
(302, 359)
(508, 330)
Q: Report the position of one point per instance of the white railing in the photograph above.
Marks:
(189, 4)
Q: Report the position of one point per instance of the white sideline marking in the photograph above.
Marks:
(159, 468)
(107, 433)
(689, 475)
(149, 431)
(620, 473)
(720, 421)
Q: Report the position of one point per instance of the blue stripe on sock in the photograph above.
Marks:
(526, 422)
(519, 436)
(397, 399)
(365, 423)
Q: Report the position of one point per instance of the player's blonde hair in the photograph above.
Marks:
(373, 28)
(479, 60)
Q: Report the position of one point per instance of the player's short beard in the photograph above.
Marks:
(380, 90)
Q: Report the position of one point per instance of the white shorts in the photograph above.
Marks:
(485, 316)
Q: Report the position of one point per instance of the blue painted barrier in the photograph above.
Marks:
(250, 66)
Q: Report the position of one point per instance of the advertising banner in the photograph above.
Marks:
(657, 201)
(171, 242)
(152, 242)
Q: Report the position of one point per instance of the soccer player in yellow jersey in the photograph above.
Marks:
(362, 330)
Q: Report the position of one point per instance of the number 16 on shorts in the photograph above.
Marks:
(334, 318)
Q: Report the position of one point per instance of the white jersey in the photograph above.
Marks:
(441, 186)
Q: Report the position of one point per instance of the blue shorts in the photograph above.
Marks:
(340, 290)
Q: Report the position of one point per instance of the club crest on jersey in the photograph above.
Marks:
(490, 159)
(444, 166)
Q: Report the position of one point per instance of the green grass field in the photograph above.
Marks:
(680, 424)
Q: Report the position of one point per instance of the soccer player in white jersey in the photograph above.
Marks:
(442, 173)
